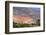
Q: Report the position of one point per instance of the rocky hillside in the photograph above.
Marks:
(23, 19)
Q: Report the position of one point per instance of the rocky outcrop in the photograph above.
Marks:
(23, 19)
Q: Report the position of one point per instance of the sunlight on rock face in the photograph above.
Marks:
(23, 19)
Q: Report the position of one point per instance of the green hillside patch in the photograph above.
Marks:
(18, 25)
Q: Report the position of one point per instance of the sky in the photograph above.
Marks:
(26, 11)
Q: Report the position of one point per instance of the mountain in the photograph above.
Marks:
(31, 12)
(23, 19)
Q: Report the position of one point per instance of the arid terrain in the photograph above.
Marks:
(23, 21)
(26, 17)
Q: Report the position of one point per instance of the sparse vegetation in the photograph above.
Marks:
(18, 25)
